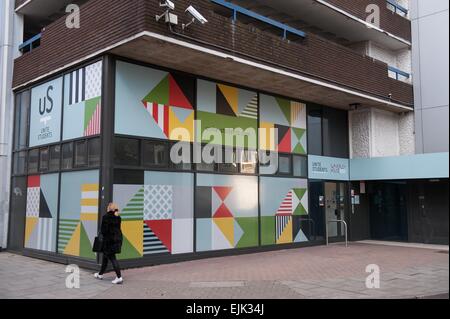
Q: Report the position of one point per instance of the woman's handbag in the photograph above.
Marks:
(98, 244)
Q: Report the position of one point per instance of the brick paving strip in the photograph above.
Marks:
(316, 272)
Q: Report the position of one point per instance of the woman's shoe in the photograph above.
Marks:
(98, 276)
(117, 281)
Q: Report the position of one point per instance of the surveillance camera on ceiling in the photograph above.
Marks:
(169, 4)
(197, 15)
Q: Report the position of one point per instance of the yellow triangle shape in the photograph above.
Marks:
(30, 225)
(175, 125)
(134, 232)
(226, 225)
(73, 246)
(231, 95)
(286, 235)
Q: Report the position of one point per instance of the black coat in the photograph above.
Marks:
(112, 234)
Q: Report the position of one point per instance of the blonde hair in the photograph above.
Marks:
(113, 207)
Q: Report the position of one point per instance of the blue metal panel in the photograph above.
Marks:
(423, 166)
(237, 9)
(398, 72)
(397, 6)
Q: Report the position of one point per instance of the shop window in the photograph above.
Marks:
(335, 133)
(128, 177)
(33, 161)
(80, 154)
(126, 152)
(155, 154)
(43, 159)
(229, 163)
(67, 152)
(315, 132)
(284, 165)
(300, 166)
(186, 159)
(55, 156)
(20, 163)
(22, 108)
(94, 152)
(247, 161)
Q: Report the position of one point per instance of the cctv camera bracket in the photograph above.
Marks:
(184, 26)
(170, 18)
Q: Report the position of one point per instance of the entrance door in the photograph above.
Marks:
(335, 208)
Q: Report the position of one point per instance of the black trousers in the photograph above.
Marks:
(114, 262)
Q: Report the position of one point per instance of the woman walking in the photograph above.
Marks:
(112, 242)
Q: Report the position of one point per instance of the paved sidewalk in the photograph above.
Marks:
(315, 272)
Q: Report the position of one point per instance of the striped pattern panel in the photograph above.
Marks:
(251, 111)
(152, 245)
(160, 114)
(286, 206)
(77, 86)
(93, 128)
(89, 200)
(66, 230)
(45, 234)
(135, 207)
(281, 223)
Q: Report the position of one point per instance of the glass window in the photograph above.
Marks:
(247, 161)
(33, 161)
(67, 150)
(20, 163)
(55, 155)
(186, 159)
(335, 133)
(284, 164)
(229, 162)
(80, 154)
(43, 159)
(315, 132)
(94, 152)
(300, 164)
(126, 152)
(22, 107)
(155, 154)
(129, 177)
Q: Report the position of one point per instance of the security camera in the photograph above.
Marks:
(169, 4)
(196, 15)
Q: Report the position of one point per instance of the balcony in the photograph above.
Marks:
(312, 69)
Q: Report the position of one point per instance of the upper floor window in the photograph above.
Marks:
(397, 7)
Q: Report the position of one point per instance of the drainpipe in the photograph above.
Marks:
(6, 111)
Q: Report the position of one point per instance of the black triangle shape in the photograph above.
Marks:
(44, 211)
(223, 107)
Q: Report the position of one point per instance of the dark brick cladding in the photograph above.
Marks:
(105, 22)
(389, 21)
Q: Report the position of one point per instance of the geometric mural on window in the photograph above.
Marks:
(221, 107)
(284, 211)
(79, 211)
(157, 217)
(41, 212)
(226, 212)
(154, 103)
(286, 117)
(82, 102)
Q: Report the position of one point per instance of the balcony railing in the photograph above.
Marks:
(395, 7)
(30, 44)
(240, 10)
(399, 75)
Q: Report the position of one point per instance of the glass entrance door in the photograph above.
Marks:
(335, 208)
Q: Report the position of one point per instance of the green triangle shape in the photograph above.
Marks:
(300, 210)
(128, 250)
(89, 110)
(300, 192)
(85, 244)
(160, 94)
(299, 132)
(285, 107)
(299, 150)
(249, 226)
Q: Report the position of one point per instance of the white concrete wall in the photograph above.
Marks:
(430, 33)
(379, 133)
(11, 35)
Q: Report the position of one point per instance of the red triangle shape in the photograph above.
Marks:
(223, 212)
(176, 95)
(223, 192)
(285, 144)
(163, 230)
